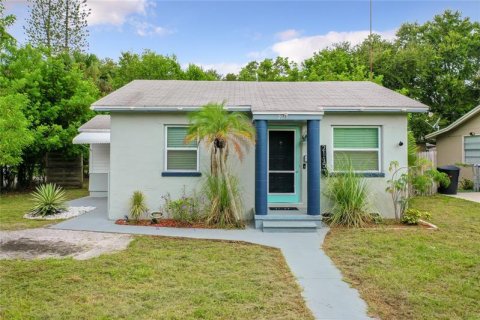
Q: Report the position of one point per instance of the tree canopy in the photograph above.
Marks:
(59, 25)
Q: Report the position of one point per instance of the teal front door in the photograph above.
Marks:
(283, 164)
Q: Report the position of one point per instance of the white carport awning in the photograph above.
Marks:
(92, 137)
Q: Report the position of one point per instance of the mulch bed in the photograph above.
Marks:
(168, 223)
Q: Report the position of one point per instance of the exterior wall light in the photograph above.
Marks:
(400, 143)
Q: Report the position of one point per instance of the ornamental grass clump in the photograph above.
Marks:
(349, 194)
(137, 205)
(48, 199)
(219, 196)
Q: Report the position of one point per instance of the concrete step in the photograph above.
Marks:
(289, 226)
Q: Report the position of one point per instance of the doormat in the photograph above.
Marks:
(283, 208)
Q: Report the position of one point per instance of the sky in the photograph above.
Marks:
(225, 35)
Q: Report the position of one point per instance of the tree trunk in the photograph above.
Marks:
(214, 162)
(233, 203)
(67, 25)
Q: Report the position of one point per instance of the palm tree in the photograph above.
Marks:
(222, 131)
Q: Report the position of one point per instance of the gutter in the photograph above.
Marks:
(376, 109)
(163, 108)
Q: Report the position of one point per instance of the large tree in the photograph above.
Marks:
(58, 97)
(148, 65)
(437, 63)
(59, 25)
(14, 133)
(5, 22)
(336, 63)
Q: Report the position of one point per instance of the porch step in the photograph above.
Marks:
(289, 226)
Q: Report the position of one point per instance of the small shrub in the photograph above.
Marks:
(377, 218)
(466, 184)
(137, 205)
(412, 216)
(349, 193)
(48, 199)
(186, 209)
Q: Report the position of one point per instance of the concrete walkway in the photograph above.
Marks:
(470, 196)
(323, 289)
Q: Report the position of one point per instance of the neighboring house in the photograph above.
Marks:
(302, 128)
(459, 143)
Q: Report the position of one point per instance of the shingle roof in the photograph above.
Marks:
(97, 123)
(257, 96)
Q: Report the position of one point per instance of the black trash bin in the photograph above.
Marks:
(453, 173)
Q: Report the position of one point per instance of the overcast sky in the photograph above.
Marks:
(226, 34)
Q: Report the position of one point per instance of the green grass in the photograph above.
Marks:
(14, 205)
(416, 274)
(155, 278)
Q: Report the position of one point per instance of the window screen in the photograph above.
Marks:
(180, 155)
(358, 146)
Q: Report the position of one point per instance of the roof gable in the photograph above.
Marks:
(456, 123)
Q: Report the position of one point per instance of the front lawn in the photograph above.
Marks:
(155, 278)
(416, 274)
(14, 205)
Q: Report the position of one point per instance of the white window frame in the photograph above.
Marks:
(464, 153)
(178, 149)
(378, 149)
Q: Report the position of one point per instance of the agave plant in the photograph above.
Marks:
(137, 205)
(48, 199)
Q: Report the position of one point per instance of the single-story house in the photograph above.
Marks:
(459, 143)
(302, 129)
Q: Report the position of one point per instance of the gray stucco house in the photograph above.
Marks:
(302, 129)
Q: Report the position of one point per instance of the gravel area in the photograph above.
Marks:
(69, 213)
(49, 243)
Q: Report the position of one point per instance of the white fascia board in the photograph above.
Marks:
(374, 109)
(163, 108)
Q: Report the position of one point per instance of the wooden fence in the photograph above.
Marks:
(66, 172)
(431, 156)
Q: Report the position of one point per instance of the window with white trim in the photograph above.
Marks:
(180, 156)
(471, 149)
(358, 145)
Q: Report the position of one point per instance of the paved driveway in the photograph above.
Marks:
(323, 289)
(471, 196)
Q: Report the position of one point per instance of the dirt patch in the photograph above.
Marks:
(25, 245)
(48, 243)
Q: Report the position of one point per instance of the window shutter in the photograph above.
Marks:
(176, 138)
(353, 138)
